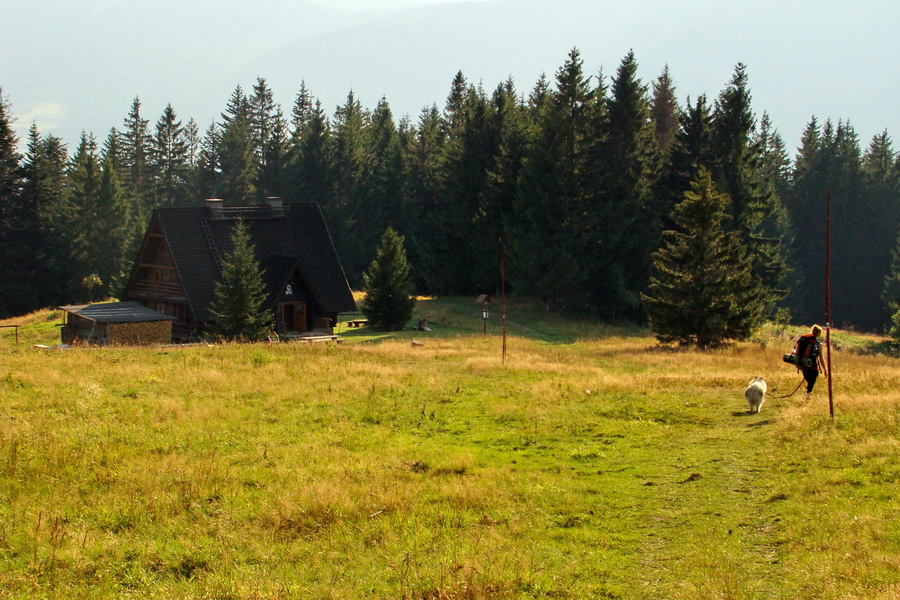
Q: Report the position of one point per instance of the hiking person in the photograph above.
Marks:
(810, 362)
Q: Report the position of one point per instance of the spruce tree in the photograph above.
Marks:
(690, 150)
(736, 169)
(301, 113)
(830, 163)
(775, 165)
(113, 160)
(236, 150)
(268, 131)
(425, 170)
(806, 206)
(628, 223)
(113, 247)
(890, 295)
(192, 141)
(112, 149)
(37, 249)
(702, 291)
(136, 145)
(9, 160)
(345, 214)
(83, 183)
(10, 210)
(101, 222)
(384, 181)
(169, 160)
(55, 156)
(774, 173)
(455, 107)
(206, 177)
(389, 299)
(469, 215)
(237, 311)
(309, 166)
(264, 113)
(881, 199)
(238, 172)
(894, 329)
(852, 237)
(665, 112)
(271, 178)
(466, 160)
(509, 130)
(551, 239)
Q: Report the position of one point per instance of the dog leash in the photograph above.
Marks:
(792, 393)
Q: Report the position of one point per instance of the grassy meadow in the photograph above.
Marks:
(591, 463)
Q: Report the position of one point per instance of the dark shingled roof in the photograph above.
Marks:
(294, 237)
(117, 312)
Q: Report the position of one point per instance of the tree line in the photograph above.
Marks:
(577, 181)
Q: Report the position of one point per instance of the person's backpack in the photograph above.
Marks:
(805, 353)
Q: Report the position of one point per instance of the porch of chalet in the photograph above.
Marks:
(322, 331)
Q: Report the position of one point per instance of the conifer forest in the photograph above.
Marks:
(579, 181)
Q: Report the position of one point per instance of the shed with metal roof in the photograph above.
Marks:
(115, 323)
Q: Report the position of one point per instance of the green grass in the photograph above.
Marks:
(590, 464)
(452, 317)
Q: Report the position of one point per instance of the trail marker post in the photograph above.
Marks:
(503, 296)
(828, 303)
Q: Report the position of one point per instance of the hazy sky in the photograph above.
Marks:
(73, 65)
(379, 4)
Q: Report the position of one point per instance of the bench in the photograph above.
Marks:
(311, 339)
(357, 322)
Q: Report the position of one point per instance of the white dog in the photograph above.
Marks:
(755, 394)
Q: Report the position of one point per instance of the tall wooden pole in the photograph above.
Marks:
(828, 303)
(503, 295)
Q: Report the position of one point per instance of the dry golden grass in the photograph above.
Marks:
(583, 466)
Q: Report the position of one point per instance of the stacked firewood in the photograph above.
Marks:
(140, 334)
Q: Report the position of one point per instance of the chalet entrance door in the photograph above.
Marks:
(293, 315)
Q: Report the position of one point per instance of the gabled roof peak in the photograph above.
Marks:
(272, 209)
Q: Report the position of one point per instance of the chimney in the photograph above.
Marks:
(276, 204)
(215, 206)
